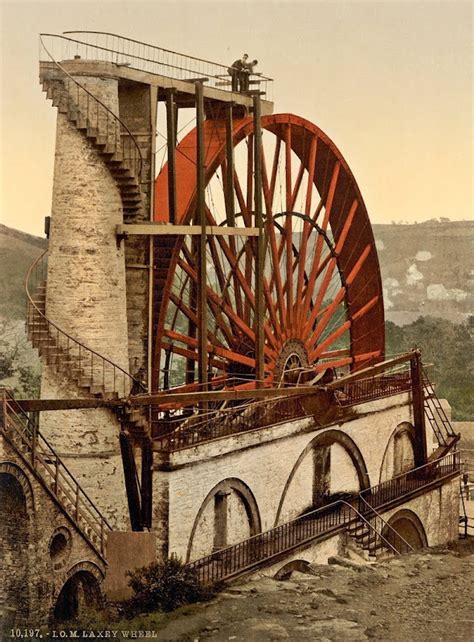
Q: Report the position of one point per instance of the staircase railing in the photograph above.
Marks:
(436, 414)
(239, 558)
(56, 478)
(91, 366)
(381, 526)
(100, 117)
(410, 481)
(263, 547)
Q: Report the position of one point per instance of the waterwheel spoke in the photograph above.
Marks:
(250, 173)
(317, 294)
(193, 354)
(288, 229)
(274, 174)
(306, 226)
(320, 241)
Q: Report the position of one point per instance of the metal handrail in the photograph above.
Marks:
(70, 339)
(200, 429)
(385, 523)
(332, 520)
(43, 456)
(139, 42)
(97, 100)
(436, 409)
(124, 44)
(374, 490)
(281, 539)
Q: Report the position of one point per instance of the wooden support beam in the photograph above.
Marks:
(201, 220)
(260, 262)
(158, 229)
(229, 186)
(418, 394)
(171, 140)
(29, 405)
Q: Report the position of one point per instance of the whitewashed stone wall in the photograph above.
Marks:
(264, 460)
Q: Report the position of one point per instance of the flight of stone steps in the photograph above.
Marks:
(91, 373)
(103, 130)
(49, 470)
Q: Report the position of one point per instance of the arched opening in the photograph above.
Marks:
(331, 467)
(60, 547)
(229, 514)
(14, 541)
(409, 526)
(399, 454)
(81, 591)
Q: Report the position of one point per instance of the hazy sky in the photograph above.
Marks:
(390, 82)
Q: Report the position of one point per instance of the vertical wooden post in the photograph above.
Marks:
(153, 98)
(260, 254)
(229, 186)
(171, 136)
(34, 437)
(147, 483)
(201, 248)
(418, 399)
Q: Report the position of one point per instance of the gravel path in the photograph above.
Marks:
(425, 597)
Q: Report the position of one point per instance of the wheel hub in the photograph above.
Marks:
(293, 356)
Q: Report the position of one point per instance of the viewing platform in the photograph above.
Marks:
(97, 53)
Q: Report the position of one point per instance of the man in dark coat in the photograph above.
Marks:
(235, 72)
(247, 71)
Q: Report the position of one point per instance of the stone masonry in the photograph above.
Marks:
(86, 297)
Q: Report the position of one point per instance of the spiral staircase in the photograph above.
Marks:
(91, 373)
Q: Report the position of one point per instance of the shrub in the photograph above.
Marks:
(164, 587)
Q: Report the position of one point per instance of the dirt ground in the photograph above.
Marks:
(426, 597)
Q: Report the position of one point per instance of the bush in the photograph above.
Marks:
(164, 587)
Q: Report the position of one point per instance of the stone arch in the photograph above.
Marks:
(399, 454)
(409, 526)
(327, 439)
(15, 532)
(81, 589)
(223, 488)
(285, 572)
(10, 468)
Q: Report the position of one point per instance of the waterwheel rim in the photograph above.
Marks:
(329, 314)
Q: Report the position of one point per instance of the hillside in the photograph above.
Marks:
(17, 252)
(427, 269)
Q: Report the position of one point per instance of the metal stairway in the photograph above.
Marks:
(438, 420)
(373, 534)
(46, 466)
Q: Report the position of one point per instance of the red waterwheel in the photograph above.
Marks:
(322, 287)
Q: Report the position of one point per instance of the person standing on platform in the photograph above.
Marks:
(236, 72)
(247, 71)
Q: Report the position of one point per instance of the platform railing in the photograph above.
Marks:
(360, 512)
(120, 50)
(173, 432)
(55, 344)
(373, 388)
(46, 464)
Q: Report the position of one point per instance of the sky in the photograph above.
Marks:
(389, 81)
